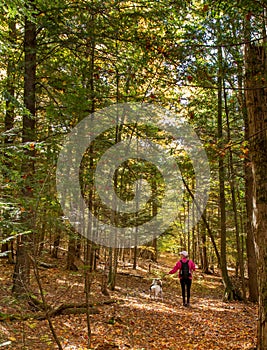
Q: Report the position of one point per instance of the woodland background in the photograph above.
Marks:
(62, 61)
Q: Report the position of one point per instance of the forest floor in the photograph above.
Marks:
(132, 320)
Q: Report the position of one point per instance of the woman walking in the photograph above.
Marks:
(185, 266)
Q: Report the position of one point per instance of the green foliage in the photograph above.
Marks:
(92, 54)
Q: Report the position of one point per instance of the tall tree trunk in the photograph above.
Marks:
(250, 239)
(228, 293)
(21, 275)
(9, 123)
(256, 100)
(240, 259)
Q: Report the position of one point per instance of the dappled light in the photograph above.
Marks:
(133, 320)
(133, 186)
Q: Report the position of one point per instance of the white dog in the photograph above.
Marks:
(156, 289)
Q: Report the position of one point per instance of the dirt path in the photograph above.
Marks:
(135, 321)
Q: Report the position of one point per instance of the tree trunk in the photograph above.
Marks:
(228, 293)
(110, 265)
(113, 272)
(204, 262)
(56, 246)
(256, 100)
(240, 259)
(250, 240)
(71, 253)
(135, 258)
(9, 123)
(87, 287)
(21, 276)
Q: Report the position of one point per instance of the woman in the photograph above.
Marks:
(185, 266)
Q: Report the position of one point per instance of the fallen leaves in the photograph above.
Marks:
(135, 321)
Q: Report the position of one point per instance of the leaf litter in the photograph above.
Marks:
(133, 321)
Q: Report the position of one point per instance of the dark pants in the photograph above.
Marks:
(186, 285)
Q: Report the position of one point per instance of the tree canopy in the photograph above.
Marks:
(203, 61)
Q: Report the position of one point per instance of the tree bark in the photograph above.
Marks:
(56, 246)
(71, 253)
(240, 258)
(228, 294)
(204, 262)
(9, 124)
(256, 100)
(21, 275)
(250, 240)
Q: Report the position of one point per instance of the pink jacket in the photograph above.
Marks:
(178, 266)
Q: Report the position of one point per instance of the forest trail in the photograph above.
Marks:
(133, 321)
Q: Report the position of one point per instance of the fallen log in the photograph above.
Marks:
(63, 309)
(68, 311)
(46, 265)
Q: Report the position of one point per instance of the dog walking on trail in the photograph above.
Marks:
(156, 289)
(185, 266)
